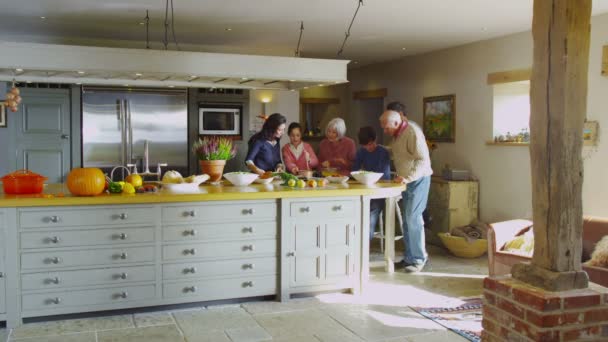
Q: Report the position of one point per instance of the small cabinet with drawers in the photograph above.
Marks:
(319, 245)
(80, 258)
(219, 250)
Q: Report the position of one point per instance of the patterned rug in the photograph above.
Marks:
(464, 320)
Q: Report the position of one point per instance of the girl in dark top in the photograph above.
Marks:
(264, 149)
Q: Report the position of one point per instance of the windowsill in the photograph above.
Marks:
(492, 143)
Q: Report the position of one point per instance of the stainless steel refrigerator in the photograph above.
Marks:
(116, 124)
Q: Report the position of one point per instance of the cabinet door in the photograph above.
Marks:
(339, 256)
(2, 274)
(307, 253)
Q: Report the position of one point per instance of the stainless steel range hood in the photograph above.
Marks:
(28, 62)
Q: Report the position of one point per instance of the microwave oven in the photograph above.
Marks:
(219, 120)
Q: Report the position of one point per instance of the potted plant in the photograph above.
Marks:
(212, 153)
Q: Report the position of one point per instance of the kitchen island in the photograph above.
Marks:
(63, 254)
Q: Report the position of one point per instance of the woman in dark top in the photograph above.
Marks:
(264, 149)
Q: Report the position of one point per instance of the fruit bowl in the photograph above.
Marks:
(461, 248)
(366, 177)
(329, 172)
(241, 178)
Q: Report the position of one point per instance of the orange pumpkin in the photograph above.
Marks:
(87, 181)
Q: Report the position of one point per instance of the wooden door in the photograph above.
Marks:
(42, 133)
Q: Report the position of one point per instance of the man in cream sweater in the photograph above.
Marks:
(413, 163)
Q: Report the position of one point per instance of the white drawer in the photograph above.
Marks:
(88, 257)
(220, 212)
(322, 210)
(231, 249)
(102, 276)
(87, 297)
(2, 296)
(194, 232)
(204, 290)
(58, 217)
(69, 238)
(240, 267)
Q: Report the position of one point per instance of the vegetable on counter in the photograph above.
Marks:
(115, 188)
(88, 181)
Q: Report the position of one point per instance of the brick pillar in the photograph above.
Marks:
(516, 311)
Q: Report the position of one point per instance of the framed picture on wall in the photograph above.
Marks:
(439, 118)
(2, 115)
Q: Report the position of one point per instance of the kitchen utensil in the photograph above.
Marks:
(23, 182)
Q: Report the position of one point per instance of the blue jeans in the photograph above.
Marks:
(376, 206)
(414, 203)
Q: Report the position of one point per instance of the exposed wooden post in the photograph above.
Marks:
(558, 98)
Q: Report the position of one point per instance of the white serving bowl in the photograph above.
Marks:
(366, 177)
(181, 188)
(264, 180)
(240, 178)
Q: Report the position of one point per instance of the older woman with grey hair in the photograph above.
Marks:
(336, 150)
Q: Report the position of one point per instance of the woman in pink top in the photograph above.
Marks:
(297, 153)
(336, 150)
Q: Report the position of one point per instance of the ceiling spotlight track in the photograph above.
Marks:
(297, 54)
(347, 34)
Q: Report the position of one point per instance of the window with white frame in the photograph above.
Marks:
(511, 112)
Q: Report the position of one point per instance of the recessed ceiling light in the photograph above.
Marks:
(320, 85)
(126, 85)
(28, 82)
(244, 78)
(171, 86)
(78, 83)
(292, 89)
(138, 74)
(19, 70)
(193, 76)
(228, 29)
(292, 80)
(355, 62)
(80, 72)
(142, 23)
(305, 87)
(43, 18)
(403, 49)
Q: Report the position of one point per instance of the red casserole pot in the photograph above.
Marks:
(23, 182)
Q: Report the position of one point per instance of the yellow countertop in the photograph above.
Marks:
(58, 194)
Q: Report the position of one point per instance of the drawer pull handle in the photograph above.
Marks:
(123, 256)
(55, 280)
(248, 248)
(123, 216)
(54, 219)
(337, 208)
(190, 251)
(123, 275)
(55, 300)
(190, 213)
(291, 254)
(55, 239)
(248, 284)
(190, 232)
(123, 295)
(247, 211)
(1, 274)
(190, 270)
(190, 289)
(305, 209)
(122, 236)
(54, 260)
(248, 266)
(248, 230)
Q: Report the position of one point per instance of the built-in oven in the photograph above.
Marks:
(220, 118)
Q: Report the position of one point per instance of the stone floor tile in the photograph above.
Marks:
(254, 334)
(208, 336)
(152, 319)
(304, 338)
(77, 337)
(298, 323)
(162, 333)
(73, 326)
(439, 336)
(198, 323)
(376, 322)
(342, 335)
(256, 308)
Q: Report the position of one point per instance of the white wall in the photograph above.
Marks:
(504, 172)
